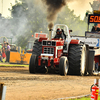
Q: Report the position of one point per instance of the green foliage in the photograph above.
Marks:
(85, 18)
(29, 18)
(34, 19)
(85, 98)
(74, 23)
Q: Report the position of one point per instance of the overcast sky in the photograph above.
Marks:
(78, 6)
(5, 6)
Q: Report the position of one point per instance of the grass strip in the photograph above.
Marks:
(85, 98)
(12, 65)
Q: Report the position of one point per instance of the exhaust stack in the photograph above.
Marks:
(50, 31)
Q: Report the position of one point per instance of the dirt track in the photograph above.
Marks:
(21, 85)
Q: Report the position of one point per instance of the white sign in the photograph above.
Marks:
(92, 42)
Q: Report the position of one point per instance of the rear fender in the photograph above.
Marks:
(73, 41)
(40, 39)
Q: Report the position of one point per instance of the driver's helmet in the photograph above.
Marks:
(58, 31)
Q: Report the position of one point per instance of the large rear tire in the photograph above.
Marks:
(33, 64)
(63, 66)
(77, 59)
(37, 48)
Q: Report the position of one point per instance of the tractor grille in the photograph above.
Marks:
(48, 50)
(49, 43)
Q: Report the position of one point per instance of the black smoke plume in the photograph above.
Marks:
(50, 25)
(53, 8)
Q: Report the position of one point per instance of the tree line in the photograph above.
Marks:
(27, 17)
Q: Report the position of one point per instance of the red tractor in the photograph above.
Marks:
(65, 56)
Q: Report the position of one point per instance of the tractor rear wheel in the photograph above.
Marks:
(63, 66)
(37, 48)
(33, 64)
(77, 59)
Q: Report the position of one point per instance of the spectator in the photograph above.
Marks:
(4, 44)
(0, 52)
(3, 54)
(95, 28)
(8, 52)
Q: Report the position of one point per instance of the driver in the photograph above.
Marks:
(59, 34)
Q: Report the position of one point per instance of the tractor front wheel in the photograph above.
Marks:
(63, 66)
(33, 64)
